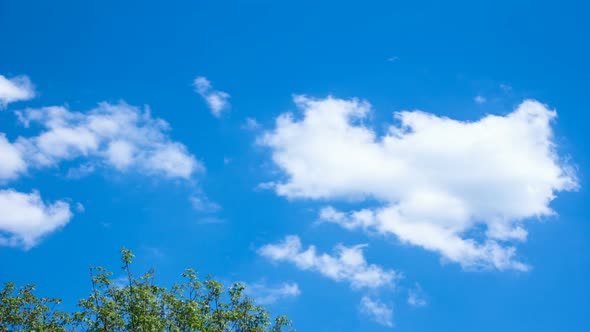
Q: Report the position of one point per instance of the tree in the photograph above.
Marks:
(140, 305)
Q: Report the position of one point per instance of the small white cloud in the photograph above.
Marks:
(15, 89)
(81, 171)
(377, 311)
(479, 99)
(80, 207)
(218, 101)
(121, 281)
(203, 204)
(505, 88)
(265, 294)
(153, 252)
(25, 218)
(416, 297)
(251, 124)
(393, 58)
(437, 179)
(347, 264)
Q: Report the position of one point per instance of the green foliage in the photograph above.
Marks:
(140, 305)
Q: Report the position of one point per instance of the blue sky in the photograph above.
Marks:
(431, 176)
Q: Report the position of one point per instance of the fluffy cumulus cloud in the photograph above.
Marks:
(216, 100)
(116, 136)
(119, 136)
(377, 311)
(15, 89)
(462, 189)
(25, 218)
(265, 294)
(347, 264)
(11, 160)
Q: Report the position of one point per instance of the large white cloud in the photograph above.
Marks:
(348, 264)
(119, 136)
(25, 218)
(15, 89)
(439, 181)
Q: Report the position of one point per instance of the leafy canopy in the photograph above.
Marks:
(140, 305)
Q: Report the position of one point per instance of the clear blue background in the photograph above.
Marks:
(262, 52)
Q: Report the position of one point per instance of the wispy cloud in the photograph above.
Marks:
(250, 124)
(203, 204)
(377, 311)
(479, 99)
(80, 171)
(505, 88)
(216, 100)
(416, 297)
(347, 264)
(265, 294)
(80, 207)
(153, 252)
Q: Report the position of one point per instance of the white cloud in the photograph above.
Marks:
(80, 171)
(218, 101)
(120, 136)
(203, 204)
(153, 252)
(121, 281)
(505, 88)
(25, 218)
(416, 297)
(172, 160)
(251, 124)
(479, 99)
(120, 154)
(438, 180)
(347, 264)
(80, 207)
(264, 294)
(15, 89)
(11, 160)
(376, 310)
